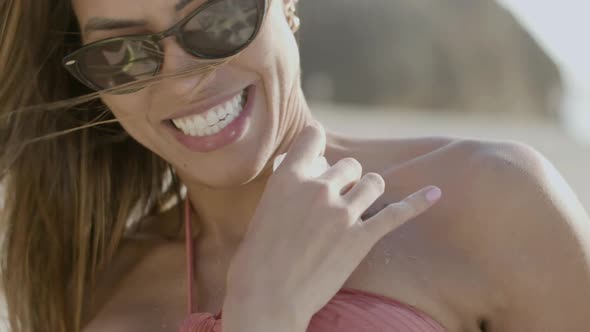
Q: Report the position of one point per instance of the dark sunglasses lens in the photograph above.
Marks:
(118, 62)
(223, 28)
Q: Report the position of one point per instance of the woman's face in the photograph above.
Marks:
(236, 139)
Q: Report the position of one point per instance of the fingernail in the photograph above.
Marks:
(433, 194)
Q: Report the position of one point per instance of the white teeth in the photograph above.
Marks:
(199, 122)
(194, 131)
(235, 110)
(222, 112)
(214, 120)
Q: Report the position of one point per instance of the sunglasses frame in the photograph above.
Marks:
(70, 61)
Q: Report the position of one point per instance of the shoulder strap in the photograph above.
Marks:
(189, 254)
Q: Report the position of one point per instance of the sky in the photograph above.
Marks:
(563, 29)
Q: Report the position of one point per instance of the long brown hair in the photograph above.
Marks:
(69, 197)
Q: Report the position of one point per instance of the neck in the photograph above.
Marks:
(223, 214)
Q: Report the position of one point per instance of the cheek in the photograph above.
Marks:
(275, 50)
(130, 104)
(131, 111)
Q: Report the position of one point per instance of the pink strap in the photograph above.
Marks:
(189, 254)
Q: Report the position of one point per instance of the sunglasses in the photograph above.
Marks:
(216, 30)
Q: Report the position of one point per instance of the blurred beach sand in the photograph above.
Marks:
(570, 157)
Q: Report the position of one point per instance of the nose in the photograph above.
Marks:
(177, 60)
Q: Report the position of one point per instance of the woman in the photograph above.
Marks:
(217, 97)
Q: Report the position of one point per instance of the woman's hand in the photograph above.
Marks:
(306, 236)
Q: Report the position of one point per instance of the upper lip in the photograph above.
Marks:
(203, 107)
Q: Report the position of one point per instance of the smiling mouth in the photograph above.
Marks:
(213, 120)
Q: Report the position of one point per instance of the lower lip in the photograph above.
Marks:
(226, 136)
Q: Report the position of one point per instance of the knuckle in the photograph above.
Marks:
(323, 188)
(403, 209)
(309, 130)
(351, 163)
(314, 132)
(344, 213)
(305, 136)
(284, 175)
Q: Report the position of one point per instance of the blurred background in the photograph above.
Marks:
(508, 70)
(496, 70)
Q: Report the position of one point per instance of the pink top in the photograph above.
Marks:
(350, 310)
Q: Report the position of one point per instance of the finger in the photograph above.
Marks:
(396, 214)
(345, 173)
(365, 192)
(309, 144)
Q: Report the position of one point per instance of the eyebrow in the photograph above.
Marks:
(102, 23)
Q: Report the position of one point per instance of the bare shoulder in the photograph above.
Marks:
(378, 154)
(518, 194)
(509, 243)
(534, 230)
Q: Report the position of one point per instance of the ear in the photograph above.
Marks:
(287, 4)
(290, 10)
